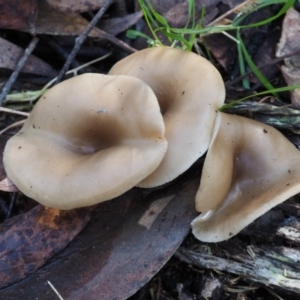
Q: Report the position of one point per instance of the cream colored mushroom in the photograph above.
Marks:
(249, 168)
(190, 90)
(88, 139)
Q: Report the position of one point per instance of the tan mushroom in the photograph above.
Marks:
(249, 168)
(190, 90)
(87, 140)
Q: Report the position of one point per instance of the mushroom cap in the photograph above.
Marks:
(189, 90)
(88, 139)
(250, 167)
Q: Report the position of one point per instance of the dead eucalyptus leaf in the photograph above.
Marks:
(290, 42)
(75, 6)
(126, 243)
(20, 15)
(11, 54)
(28, 240)
(114, 26)
(53, 22)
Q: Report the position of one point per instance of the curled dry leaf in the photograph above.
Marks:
(290, 42)
(11, 54)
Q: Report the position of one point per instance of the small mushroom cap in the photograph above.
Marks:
(189, 90)
(88, 139)
(250, 167)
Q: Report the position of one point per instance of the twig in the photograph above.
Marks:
(109, 37)
(13, 111)
(80, 39)
(16, 124)
(55, 290)
(18, 69)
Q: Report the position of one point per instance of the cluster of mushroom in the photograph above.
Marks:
(144, 124)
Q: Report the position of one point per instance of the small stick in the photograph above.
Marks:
(80, 39)
(14, 125)
(55, 290)
(18, 69)
(13, 111)
(111, 38)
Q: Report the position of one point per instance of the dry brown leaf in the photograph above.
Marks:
(54, 22)
(18, 14)
(161, 6)
(6, 185)
(125, 244)
(115, 26)
(290, 42)
(11, 54)
(28, 240)
(75, 6)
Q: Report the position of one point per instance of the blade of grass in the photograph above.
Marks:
(275, 90)
(287, 5)
(148, 17)
(132, 34)
(253, 67)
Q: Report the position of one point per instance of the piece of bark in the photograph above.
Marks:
(281, 117)
(125, 244)
(259, 253)
(276, 266)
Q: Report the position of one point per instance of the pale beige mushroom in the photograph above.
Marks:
(190, 90)
(249, 168)
(88, 139)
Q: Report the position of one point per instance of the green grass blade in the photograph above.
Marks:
(274, 91)
(133, 34)
(264, 81)
(288, 4)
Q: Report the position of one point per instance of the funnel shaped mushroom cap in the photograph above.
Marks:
(250, 167)
(189, 90)
(87, 140)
